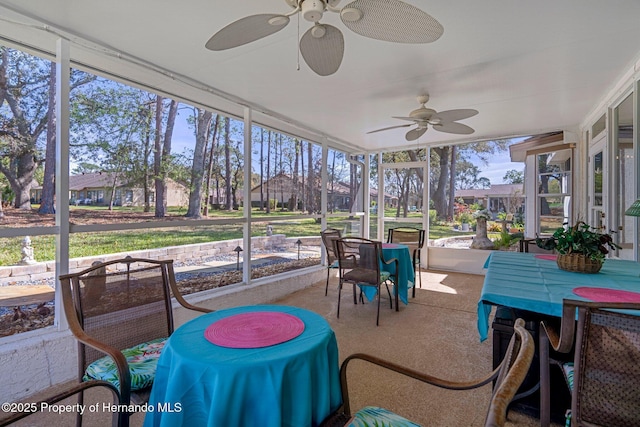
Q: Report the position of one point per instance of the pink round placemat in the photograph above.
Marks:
(390, 245)
(606, 295)
(254, 330)
(548, 257)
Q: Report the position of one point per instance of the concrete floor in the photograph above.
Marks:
(435, 333)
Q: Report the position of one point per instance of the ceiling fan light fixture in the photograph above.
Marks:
(312, 10)
(279, 20)
(351, 14)
(318, 31)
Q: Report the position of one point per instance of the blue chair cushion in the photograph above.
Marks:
(142, 360)
(371, 416)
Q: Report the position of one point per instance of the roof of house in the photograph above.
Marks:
(93, 180)
(494, 191)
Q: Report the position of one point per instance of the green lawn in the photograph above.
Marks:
(98, 243)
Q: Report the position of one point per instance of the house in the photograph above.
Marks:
(282, 189)
(97, 188)
(507, 198)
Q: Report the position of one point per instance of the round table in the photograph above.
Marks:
(295, 383)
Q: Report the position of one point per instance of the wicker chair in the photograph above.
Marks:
(115, 306)
(360, 261)
(508, 376)
(34, 414)
(329, 237)
(605, 372)
(414, 238)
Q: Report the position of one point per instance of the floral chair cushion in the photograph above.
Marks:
(142, 360)
(371, 416)
(568, 374)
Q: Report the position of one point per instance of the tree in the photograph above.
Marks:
(162, 153)
(203, 125)
(210, 164)
(24, 88)
(227, 163)
(48, 183)
(463, 154)
(27, 122)
(513, 176)
(111, 128)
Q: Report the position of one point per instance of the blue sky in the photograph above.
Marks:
(500, 163)
(498, 166)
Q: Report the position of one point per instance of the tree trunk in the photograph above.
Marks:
(293, 201)
(210, 165)
(227, 164)
(166, 147)
(203, 122)
(302, 185)
(452, 183)
(48, 181)
(268, 172)
(310, 180)
(439, 191)
(157, 161)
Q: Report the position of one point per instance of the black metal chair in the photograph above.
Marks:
(604, 375)
(508, 376)
(414, 239)
(360, 261)
(329, 237)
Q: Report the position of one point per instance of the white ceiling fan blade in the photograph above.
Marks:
(391, 20)
(416, 133)
(455, 115)
(411, 119)
(454, 127)
(246, 30)
(322, 48)
(390, 127)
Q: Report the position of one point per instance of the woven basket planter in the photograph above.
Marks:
(578, 263)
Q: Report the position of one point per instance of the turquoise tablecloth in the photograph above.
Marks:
(295, 383)
(405, 277)
(529, 282)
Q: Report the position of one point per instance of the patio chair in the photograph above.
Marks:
(414, 238)
(604, 373)
(508, 376)
(528, 244)
(121, 313)
(329, 237)
(36, 412)
(360, 261)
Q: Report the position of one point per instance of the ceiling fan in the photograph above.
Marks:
(322, 46)
(443, 121)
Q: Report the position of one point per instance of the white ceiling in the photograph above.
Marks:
(527, 66)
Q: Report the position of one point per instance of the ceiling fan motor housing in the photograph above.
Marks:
(422, 113)
(312, 10)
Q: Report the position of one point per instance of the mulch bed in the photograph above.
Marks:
(33, 317)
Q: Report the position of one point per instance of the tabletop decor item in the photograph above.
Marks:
(580, 248)
(254, 329)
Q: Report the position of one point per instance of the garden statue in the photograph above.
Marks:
(269, 230)
(481, 241)
(27, 252)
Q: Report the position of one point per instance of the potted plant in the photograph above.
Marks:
(465, 218)
(580, 248)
